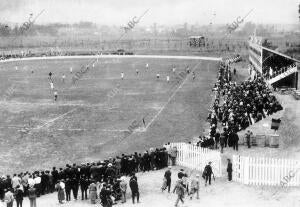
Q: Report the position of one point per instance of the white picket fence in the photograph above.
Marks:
(197, 158)
(265, 171)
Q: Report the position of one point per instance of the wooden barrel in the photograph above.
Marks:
(259, 140)
(253, 141)
(267, 143)
(274, 140)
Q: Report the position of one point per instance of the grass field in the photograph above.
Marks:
(89, 120)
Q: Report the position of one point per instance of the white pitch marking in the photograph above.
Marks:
(116, 56)
(170, 98)
(113, 130)
(82, 129)
(55, 104)
(53, 120)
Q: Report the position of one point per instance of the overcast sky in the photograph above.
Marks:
(167, 12)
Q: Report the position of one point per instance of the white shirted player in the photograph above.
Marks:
(51, 85)
(16, 67)
(174, 69)
(157, 75)
(147, 66)
(168, 78)
(71, 69)
(63, 78)
(122, 75)
(55, 95)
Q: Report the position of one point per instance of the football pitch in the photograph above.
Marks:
(100, 115)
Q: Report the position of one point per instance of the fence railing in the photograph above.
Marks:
(266, 171)
(197, 158)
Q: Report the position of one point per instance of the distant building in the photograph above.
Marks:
(279, 70)
(197, 41)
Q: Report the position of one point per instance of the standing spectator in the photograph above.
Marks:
(123, 187)
(68, 189)
(9, 198)
(195, 185)
(24, 183)
(16, 181)
(179, 191)
(8, 182)
(222, 141)
(93, 192)
(37, 184)
(74, 186)
(84, 184)
(217, 139)
(110, 172)
(55, 176)
(31, 181)
(2, 187)
(44, 182)
(173, 155)
(134, 188)
(207, 173)
(152, 159)
(235, 137)
(248, 138)
(50, 182)
(32, 195)
(185, 182)
(19, 196)
(60, 187)
(229, 170)
(105, 196)
(167, 177)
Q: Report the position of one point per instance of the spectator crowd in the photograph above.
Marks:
(236, 107)
(106, 177)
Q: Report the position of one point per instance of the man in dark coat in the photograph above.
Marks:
(61, 174)
(134, 188)
(235, 138)
(222, 141)
(74, 186)
(84, 185)
(68, 186)
(207, 173)
(2, 187)
(105, 196)
(248, 138)
(55, 176)
(44, 181)
(217, 139)
(167, 176)
(93, 171)
(110, 172)
(146, 159)
(229, 170)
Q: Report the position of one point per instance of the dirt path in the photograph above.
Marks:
(220, 193)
